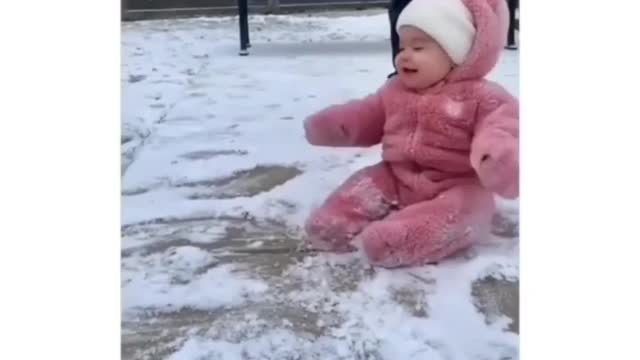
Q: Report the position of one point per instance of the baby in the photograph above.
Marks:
(449, 141)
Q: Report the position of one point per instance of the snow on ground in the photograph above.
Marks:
(217, 180)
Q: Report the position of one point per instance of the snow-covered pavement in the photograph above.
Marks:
(217, 180)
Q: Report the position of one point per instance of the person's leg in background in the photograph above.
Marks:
(395, 9)
(511, 35)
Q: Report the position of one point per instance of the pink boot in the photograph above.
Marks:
(432, 230)
(368, 195)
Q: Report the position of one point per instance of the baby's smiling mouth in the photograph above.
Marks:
(409, 70)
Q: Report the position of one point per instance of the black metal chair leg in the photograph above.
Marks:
(243, 14)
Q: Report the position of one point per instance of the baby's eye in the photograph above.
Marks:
(418, 48)
(401, 49)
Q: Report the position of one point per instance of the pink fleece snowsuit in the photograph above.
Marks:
(445, 151)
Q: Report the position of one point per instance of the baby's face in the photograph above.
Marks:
(421, 61)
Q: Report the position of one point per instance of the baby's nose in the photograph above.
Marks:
(404, 57)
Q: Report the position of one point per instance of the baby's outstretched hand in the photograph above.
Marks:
(320, 131)
(355, 123)
(497, 166)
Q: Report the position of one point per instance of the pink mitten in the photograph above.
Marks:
(356, 123)
(319, 130)
(498, 167)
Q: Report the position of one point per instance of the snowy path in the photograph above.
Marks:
(217, 180)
